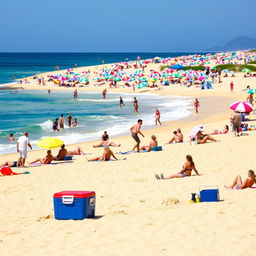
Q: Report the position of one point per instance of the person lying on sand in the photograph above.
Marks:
(224, 131)
(47, 160)
(188, 167)
(10, 164)
(176, 138)
(153, 143)
(107, 154)
(63, 152)
(239, 184)
(106, 142)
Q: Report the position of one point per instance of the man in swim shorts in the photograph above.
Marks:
(22, 148)
(135, 130)
(236, 122)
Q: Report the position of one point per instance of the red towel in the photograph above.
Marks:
(7, 171)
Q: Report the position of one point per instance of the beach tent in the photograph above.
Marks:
(206, 85)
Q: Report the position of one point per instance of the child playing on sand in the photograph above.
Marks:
(186, 170)
(239, 184)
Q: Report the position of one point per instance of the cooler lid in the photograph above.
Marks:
(76, 194)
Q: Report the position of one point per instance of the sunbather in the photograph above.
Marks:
(188, 167)
(239, 184)
(10, 164)
(47, 160)
(107, 154)
(203, 138)
(224, 131)
(61, 155)
(153, 143)
(77, 151)
(106, 142)
(176, 138)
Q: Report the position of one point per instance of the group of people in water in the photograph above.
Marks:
(59, 123)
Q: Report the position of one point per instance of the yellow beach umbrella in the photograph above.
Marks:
(50, 143)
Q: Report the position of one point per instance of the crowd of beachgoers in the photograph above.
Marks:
(191, 70)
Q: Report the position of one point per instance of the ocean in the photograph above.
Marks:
(19, 65)
(34, 111)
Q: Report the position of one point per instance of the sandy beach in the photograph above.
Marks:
(135, 213)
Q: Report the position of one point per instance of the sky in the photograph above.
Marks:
(122, 26)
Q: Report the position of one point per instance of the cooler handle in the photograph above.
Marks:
(67, 199)
(208, 186)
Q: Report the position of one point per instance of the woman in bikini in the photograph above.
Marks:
(224, 131)
(157, 117)
(239, 184)
(107, 154)
(187, 169)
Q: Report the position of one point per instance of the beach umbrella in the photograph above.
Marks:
(246, 70)
(251, 91)
(242, 107)
(50, 142)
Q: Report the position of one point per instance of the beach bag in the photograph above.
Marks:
(7, 171)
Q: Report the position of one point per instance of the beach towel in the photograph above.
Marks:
(7, 171)
(61, 162)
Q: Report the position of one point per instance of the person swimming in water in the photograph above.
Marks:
(107, 154)
(238, 183)
(11, 137)
(186, 171)
(55, 125)
(121, 102)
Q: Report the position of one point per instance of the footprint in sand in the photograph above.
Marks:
(45, 218)
(120, 212)
(170, 201)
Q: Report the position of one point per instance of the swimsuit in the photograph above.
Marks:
(136, 137)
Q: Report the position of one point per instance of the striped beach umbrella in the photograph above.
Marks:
(242, 107)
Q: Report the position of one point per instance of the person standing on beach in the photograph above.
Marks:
(135, 105)
(69, 119)
(196, 105)
(104, 93)
(62, 122)
(22, 148)
(75, 94)
(232, 87)
(135, 130)
(236, 123)
(121, 102)
(157, 117)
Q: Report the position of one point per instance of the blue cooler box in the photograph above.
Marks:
(76, 205)
(209, 194)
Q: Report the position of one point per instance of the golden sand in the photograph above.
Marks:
(137, 214)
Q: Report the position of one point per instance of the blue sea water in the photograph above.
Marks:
(19, 65)
(34, 111)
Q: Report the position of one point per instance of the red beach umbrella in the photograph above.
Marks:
(241, 106)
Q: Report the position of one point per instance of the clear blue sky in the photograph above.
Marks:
(123, 26)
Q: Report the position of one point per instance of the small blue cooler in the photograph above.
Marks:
(76, 205)
(209, 194)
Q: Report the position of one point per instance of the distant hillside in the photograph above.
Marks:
(239, 43)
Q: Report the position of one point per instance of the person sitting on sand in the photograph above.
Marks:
(239, 184)
(61, 155)
(10, 164)
(186, 171)
(47, 160)
(105, 141)
(203, 138)
(176, 138)
(107, 154)
(179, 133)
(153, 143)
(224, 131)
